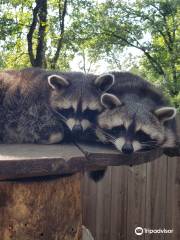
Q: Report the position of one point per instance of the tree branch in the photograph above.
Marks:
(61, 37)
(40, 52)
(40, 11)
(155, 64)
(31, 32)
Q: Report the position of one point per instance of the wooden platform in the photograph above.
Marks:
(28, 160)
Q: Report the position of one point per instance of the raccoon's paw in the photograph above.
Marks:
(97, 175)
(56, 137)
(100, 136)
(172, 152)
(53, 138)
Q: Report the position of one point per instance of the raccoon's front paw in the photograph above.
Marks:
(56, 137)
(53, 138)
(51, 134)
(100, 136)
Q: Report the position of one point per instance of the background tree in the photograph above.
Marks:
(34, 34)
(95, 34)
(150, 26)
(39, 18)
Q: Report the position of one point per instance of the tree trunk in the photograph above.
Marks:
(47, 208)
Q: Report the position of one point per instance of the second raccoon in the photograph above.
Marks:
(137, 117)
(79, 103)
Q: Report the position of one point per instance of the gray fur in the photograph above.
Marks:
(79, 103)
(139, 101)
(26, 116)
(33, 102)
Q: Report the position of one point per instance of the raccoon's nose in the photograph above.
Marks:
(77, 130)
(127, 148)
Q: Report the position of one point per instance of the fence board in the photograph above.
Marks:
(156, 196)
(136, 200)
(177, 202)
(103, 209)
(171, 198)
(119, 203)
(89, 204)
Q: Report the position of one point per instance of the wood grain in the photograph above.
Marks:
(156, 194)
(28, 160)
(146, 195)
(101, 156)
(172, 198)
(119, 202)
(47, 209)
(136, 190)
(103, 208)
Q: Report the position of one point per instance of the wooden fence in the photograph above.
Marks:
(147, 196)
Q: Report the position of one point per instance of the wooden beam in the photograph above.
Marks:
(28, 160)
(103, 156)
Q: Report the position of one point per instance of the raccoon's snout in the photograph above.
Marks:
(127, 148)
(77, 130)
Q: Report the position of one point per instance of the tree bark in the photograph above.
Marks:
(62, 14)
(37, 59)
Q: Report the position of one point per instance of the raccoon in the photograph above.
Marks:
(136, 116)
(26, 111)
(78, 104)
(39, 106)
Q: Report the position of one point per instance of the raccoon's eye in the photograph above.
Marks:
(118, 130)
(90, 114)
(142, 136)
(66, 112)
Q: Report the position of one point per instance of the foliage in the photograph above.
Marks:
(95, 30)
(149, 26)
(14, 48)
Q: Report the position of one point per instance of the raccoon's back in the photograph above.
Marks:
(29, 83)
(127, 83)
(23, 104)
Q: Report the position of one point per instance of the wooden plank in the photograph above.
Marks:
(48, 209)
(136, 200)
(89, 197)
(156, 197)
(171, 199)
(119, 202)
(13, 152)
(104, 155)
(173, 194)
(103, 207)
(176, 215)
(29, 160)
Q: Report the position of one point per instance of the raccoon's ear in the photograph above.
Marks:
(165, 113)
(105, 81)
(57, 81)
(110, 101)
